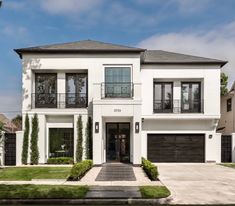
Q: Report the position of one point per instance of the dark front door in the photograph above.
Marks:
(10, 149)
(176, 147)
(226, 148)
(118, 142)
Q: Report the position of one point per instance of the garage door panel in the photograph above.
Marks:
(176, 147)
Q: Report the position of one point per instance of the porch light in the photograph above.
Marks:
(137, 127)
(96, 127)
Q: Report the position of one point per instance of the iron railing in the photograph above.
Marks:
(117, 90)
(59, 100)
(178, 106)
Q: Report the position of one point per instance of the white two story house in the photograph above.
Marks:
(144, 103)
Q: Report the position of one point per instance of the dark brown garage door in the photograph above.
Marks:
(176, 147)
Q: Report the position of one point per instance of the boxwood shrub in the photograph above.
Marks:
(60, 160)
(150, 169)
(79, 170)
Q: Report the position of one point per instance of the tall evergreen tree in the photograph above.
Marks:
(34, 155)
(89, 139)
(79, 148)
(25, 147)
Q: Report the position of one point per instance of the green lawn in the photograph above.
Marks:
(42, 191)
(29, 173)
(154, 191)
(232, 165)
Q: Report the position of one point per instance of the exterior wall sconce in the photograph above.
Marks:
(210, 136)
(137, 127)
(96, 127)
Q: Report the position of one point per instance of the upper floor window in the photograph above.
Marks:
(76, 90)
(163, 97)
(118, 82)
(191, 97)
(45, 90)
(229, 104)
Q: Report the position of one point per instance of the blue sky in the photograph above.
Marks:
(199, 27)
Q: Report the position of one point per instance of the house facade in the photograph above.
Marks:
(143, 103)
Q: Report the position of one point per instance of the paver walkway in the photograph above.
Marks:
(113, 192)
(116, 172)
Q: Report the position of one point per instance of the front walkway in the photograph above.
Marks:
(90, 178)
(199, 183)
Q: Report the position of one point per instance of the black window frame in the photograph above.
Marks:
(229, 104)
(163, 97)
(83, 102)
(48, 97)
(190, 110)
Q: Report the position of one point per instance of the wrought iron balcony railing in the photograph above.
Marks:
(178, 106)
(59, 100)
(117, 90)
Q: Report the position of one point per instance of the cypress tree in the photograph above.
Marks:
(34, 155)
(89, 139)
(25, 146)
(79, 149)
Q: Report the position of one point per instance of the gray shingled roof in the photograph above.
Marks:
(79, 46)
(147, 56)
(164, 57)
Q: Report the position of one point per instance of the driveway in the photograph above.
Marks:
(198, 183)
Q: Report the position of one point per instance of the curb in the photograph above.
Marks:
(129, 201)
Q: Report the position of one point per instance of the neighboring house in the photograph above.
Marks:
(8, 125)
(226, 124)
(144, 103)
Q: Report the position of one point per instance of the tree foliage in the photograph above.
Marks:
(79, 148)
(17, 121)
(25, 147)
(1, 139)
(223, 84)
(89, 139)
(34, 155)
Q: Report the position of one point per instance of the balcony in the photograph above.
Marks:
(59, 100)
(117, 90)
(178, 106)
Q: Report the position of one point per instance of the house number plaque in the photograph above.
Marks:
(117, 110)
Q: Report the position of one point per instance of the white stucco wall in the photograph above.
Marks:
(136, 109)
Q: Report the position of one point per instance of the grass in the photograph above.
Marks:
(232, 165)
(42, 191)
(29, 173)
(154, 192)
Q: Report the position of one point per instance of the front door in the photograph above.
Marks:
(118, 142)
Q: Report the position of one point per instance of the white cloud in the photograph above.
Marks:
(192, 6)
(68, 7)
(10, 103)
(218, 43)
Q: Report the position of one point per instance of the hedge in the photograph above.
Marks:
(150, 169)
(60, 160)
(79, 170)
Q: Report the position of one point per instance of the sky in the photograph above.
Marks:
(198, 27)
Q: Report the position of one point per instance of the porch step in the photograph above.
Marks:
(113, 192)
(116, 172)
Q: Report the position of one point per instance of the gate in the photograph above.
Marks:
(10, 149)
(226, 148)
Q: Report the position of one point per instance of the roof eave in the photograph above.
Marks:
(20, 52)
(221, 63)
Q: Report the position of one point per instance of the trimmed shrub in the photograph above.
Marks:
(25, 147)
(79, 149)
(34, 155)
(60, 160)
(89, 139)
(150, 169)
(79, 170)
